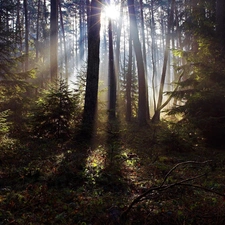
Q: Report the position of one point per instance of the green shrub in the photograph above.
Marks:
(54, 111)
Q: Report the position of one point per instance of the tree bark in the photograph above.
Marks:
(156, 116)
(26, 34)
(91, 94)
(220, 24)
(128, 84)
(64, 42)
(54, 40)
(144, 58)
(142, 117)
(37, 31)
(112, 76)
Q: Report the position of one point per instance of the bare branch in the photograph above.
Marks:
(181, 164)
(163, 187)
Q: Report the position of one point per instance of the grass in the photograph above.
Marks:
(50, 183)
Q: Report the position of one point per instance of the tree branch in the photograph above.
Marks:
(163, 187)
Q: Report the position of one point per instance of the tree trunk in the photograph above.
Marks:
(220, 24)
(91, 94)
(128, 85)
(54, 40)
(142, 117)
(144, 58)
(37, 31)
(26, 34)
(112, 77)
(64, 42)
(156, 116)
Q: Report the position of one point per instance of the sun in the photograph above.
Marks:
(111, 11)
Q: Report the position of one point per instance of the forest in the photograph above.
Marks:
(112, 112)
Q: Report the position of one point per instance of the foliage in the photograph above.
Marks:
(202, 92)
(54, 111)
(46, 184)
(4, 125)
(15, 83)
(16, 95)
(81, 85)
(179, 136)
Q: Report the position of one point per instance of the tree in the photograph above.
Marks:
(156, 116)
(128, 83)
(91, 94)
(142, 106)
(220, 24)
(144, 58)
(203, 89)
(64, 41)
(53, 112)
(54, 40)
(112, 76)
(26, 34)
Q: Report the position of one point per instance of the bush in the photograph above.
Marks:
(54, 111)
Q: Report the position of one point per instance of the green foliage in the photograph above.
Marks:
(16, 89)
(15, 99)
(54, 111)
(202, 92)
(81, 85)
(67, 186)
(4, 126)
(179, 136)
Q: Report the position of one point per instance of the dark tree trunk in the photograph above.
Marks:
(142, 117)
(54, 40)
(37, 32)
(128, 87)
(112, 77)
(26, 34)
(64, 42)
(144, 58)
(220, 24)
(117, 52)
(91, 94)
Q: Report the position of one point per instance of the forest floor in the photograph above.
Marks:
(127, 176)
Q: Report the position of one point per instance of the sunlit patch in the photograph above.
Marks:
(95, 164)
(60, 158)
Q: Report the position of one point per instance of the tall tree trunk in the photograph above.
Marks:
(153, 55)
(128, 84)
(37, 31)
(220, 24)
(82, 32)
(112, 76)
(91, 94)
(117, 49)
(64, 42)
(144, 58)
(142, 117)
(156, 116)
(19, 28)
(26, 34)
(54, 40)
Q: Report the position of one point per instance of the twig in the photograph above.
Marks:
(204, 189)
(163, 187)
(180, 164)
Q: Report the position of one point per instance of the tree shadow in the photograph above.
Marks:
(111, 177)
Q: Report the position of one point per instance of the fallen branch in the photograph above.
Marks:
(163, 187)
(180, 164)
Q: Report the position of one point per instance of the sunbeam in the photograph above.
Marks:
(111, 11)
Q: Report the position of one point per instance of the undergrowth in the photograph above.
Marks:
(46, 182)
